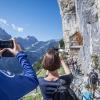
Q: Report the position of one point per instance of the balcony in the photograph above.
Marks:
(74, 45)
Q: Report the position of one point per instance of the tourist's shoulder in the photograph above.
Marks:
(68, 75)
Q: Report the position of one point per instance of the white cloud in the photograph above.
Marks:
(3, 21)
(13, 26)
(17, 28)
(20, 29)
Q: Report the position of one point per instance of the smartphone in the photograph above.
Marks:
(6, 44)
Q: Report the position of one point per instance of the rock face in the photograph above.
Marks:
(68, 13)
(82, 16)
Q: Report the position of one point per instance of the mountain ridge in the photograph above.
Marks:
(34, 48)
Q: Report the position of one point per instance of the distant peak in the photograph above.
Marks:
(4, 35)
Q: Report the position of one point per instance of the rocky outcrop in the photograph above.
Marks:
(84, 18)
(90, 29)
(69, 21)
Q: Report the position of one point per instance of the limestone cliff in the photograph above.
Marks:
(82, 16)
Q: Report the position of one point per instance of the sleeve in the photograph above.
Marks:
(19, 85)
(27, 67)
(28, 81)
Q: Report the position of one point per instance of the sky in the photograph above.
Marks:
(39, 18)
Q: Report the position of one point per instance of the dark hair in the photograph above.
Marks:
(51, 60)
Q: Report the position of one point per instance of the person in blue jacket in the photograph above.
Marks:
(14, 87)
(87, 93)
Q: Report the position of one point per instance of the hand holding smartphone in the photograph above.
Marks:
(11, 48)
(6, 44)
(17, 48)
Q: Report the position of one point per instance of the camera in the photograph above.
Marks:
(6, 44)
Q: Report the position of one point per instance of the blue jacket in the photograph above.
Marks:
(14, 87)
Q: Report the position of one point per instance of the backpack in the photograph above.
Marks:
(64, 92)
(93, 78)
